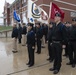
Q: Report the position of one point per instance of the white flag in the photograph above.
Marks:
(24, 18)
(33, 10)
(36, 12)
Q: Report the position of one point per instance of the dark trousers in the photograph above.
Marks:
(38, 45)
(30, 55)
(50, 51)
(57, 47)
(72, 52)
(66, 50)
(19, 40)
(45, 38)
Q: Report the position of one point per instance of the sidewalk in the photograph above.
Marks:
(15, 64)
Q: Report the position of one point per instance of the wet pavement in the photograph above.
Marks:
(15, 64)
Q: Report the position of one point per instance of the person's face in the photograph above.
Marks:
(37, 26)
(29, 28)
(50, 26)
(67, 25)
(56, 19)
(22, 25)
(44, 24)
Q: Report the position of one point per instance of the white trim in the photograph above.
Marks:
(60, 7)
(62, 2)
(65, 2)
(44, 5)
(67, 9)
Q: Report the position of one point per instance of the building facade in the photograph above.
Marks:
(6, 14)
(68, 6)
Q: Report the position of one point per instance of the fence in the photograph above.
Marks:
(5, 31)
(5, 34)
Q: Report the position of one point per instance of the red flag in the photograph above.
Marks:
(55, 9)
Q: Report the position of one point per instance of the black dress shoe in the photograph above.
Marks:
(51, 69)
(48, 59)
(64, 55)
(55, 72)
(38, 52)
(27, 63)
(42, 46)
(68, 63)
(73, 65)
(14, 51)
(31, 65)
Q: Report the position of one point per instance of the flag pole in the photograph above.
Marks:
(50, 12)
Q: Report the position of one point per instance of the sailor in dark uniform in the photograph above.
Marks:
(68, 26)
(45, 31)
(30, 44)
(39, 35)
(72, 44)
(58, 35)
(24, 31)
(50, 49)
(19, 33)
(15, 36)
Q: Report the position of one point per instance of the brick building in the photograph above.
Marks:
(6, 14)
(19, 5)
(68, 6)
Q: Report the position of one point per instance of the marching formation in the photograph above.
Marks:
(57, 35)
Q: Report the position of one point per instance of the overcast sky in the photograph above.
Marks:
(2, 2)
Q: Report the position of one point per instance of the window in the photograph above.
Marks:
(73, 14)
(23, 3)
